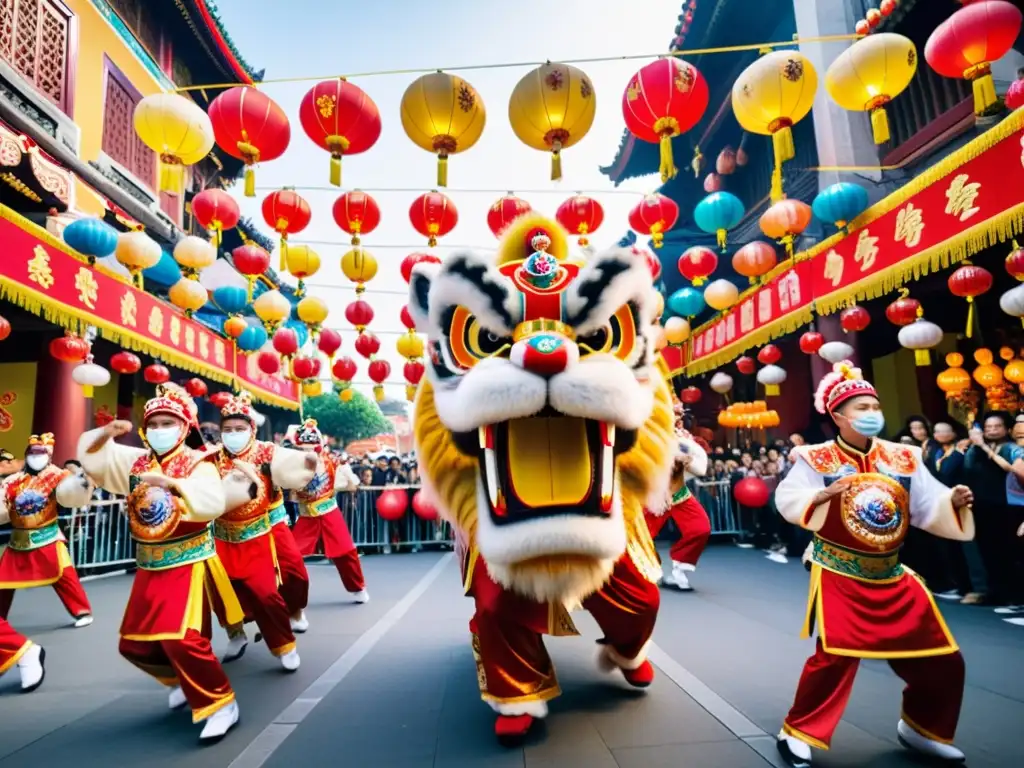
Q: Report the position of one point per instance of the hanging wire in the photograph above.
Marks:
(455, 190)
(382, 246)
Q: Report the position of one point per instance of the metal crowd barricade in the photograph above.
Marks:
(716, 498)
(372, 533)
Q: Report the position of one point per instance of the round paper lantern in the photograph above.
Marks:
(966, 44)
(854, 319)
(357, 213)
(251, 261)
(252, 338)
(717, 213)
(654, 216)
(188, 295)
(268, 362)
(305, 367)
(1014, 263)
(156, 374)
(686, 302)
(88, 376)
(811, 342)
(272, 308)
(359, 266)
(712, 183)
(367, 345)
(580, 215)
(312, 388)
(220, 399)
(443, 114)
(406, 318)
(125, 363)
(745, 365)
(725, 163)
(433, 215)
(720, 383)
(344, 369)
(423, 509)
(378, 371)
(231, 299)
(904, 310)
(970, 281)
(391, 504)
(93, 238)
(664, 99)
(234, 327)
(721, 294)
(249, 126)
(751, 492)
(660, 342)
(677, 330)
(216, 210)
(504, 211)
(754, 259)
(835, 351)
(771, 376)
(285, 341)
(920, 336)
(69, 348)
(313, 312)
(178, 130)
(412, 260)
(413, 372)
(194, 254)
(690, 395)
(770, 96)
(1012, 302)
(329, 342)
(339, 117)
(987, 374)
(769, 354)
(954, 379)
(1014, 98)
(409, 346)
(1014, 372)
(551, 109)
(786, 220)
(360, 314)
(196, 387)
(137, 251)
(697, 263)
(301, 262)
(288, 214)
(840, 203)
(871, 73)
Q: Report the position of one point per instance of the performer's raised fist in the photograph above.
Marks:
(118, 428)
(961, 497)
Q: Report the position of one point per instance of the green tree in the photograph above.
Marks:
(358, 418)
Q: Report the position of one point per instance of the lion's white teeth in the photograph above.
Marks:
(491, 468)
(607, 466)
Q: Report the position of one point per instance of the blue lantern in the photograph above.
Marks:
(686, 302)
(301, 331)
(230, 299)
(840, 203)
(91, 237)
(164, 272)
(718, 213)
(252, 338)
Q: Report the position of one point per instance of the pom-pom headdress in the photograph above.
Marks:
(172, 400)
(517, 241)
(843, 383)
(239, 407)
(44, 441)
(308, 434)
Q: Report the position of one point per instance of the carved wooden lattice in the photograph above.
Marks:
(34, 40)
(120, 142)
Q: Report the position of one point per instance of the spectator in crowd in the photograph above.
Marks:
(8, 463)
(395, 474)
(796, 440)
(919, 432)
(774, 460)
(951, 578)
(380, 471)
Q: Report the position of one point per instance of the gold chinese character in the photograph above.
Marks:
(325, 105)
(909, 226)
(867, 251)
(39, 268)
(156, 323)
(204, 346)
(129, 309)
(834, 268)
(88, 289)
(961, 196)
(190, 339)
(175, 334)
(219, 356)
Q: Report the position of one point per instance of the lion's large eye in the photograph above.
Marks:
(470, 342)
(617, 337)
(484, 343)
(596, 341)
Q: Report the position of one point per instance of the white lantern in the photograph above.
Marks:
(920, 336)
(1012, 302)
(721, 294)
(193, 254)
(677, 330)
(721, 383)
(771, 376)
(89, 376)
(835, 351)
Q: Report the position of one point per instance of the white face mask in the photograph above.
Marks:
(163, 440)
(37, 462)
(236, 442)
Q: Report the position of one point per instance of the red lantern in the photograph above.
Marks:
(966, 44)
(69, 348)
(811, 342)
(1015, 262)
(5, 328)
(968, 282)
(356, 213)
(654, 216)
(903, 311)
(413, 371)
(196, 387)
(697, 263)
(506, 210)
(433, 215)
(285, 341)
(305, 367)
(216, 210)
(886, 7)
(854, 319)
(754, 259)
(268, 362)
(690, 395)
(422, 509)
(769, 355)
(125, 363)
(288, 214)
(359, 313)
(746, 365)
(751, 492)
(391, 504)
(712, 183)
(329, 342)
(251, 261)
(220, 399)
(250, 126)
(580, 215)
(406, 319)
(663, 100)
(339, 117)
(412, 260)
(344, 369)
(156, 374)
(367, 345)
(379, 371)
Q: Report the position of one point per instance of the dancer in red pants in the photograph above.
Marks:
(29, 657)
(319, 516)
(688, 514)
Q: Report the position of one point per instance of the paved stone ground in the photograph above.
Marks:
(392, 684)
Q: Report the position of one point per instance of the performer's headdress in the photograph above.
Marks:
(845, 382)
(308, 434)
(172, 400)
(44, 441)
(239, 407)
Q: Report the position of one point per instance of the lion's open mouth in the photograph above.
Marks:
(549, 465)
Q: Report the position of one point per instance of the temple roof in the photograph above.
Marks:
(202, 17)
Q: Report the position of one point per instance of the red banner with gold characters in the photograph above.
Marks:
(43, 275)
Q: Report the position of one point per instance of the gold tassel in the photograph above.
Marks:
(378, 393)
(442, 170)
(771, 390)
(172, 176)
(922, 357)
(252, 281)
(217, 236)
(87, 390)
(250, 181)
(782, 143)
(970, 316)
(668, 166)
(556, 165)
(284, 250)
(335, 170)
(984, 93)
(722, 236)
(880, 125)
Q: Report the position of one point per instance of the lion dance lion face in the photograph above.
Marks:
(543, 425)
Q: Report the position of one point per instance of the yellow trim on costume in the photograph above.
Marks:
(15, 657)
(198, 715)
(799, 735)
(923, 731)
(286, 648)
(546, 695)
(530, 327)
(63, 561)
(233, 613)
(467, 582)
(278, 578)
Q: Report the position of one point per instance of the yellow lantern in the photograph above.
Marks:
(1014, 372)
(137, 251)
(178, 130)
(871, 73)
(677, 330)
(410, 345)
(444, 114)
(312, 388)
(346, 394)
(312, 311)
(188, 295)
(771, 96)
(272, 308)
(721, 294)
(301, 262)
(193, 254)
(551, 109)
(359, 266)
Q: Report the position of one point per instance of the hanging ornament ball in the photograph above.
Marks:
(697, 264)
(413, 371)
(745, 365)
(751, 492)
(340, 118)
(835, 351)
(970, 281)
(412, 260)
(196, 387)
(359, 313)
(1014, 263)
(810, 342)
(887, 7)
(854, 319)
(721, 294)
(690, 395)
(367, 345)
(5, 328)
(391, 504)
(344, 369)
(721, 383)
(409, 345)
(189, 295)
(903, 311)
(862, 27)
(769, 354)
(329, 342)
(504, 211)
(677, 330)
(125, 363)
(285, 341)
(69, 349)
(272, 307)
(754, 259)
(687, 302)
(305, 367)
(156, 374)
(423, 509)
(873, 17)
(312, 310)
(194, 254)
(268, 362)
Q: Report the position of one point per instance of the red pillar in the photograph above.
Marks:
(60, 407)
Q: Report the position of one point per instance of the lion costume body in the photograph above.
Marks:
(543, 429)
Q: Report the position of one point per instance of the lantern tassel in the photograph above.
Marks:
(172, 176)
(216, 238)
(378, 393)
(250, 181)
(783, 149)
(284, 251)
(442, 170)
(668, 166)
(984, 93)
(922, 357)
(970, 316)
(335, 170)
(251, 279)
(771, 390)
(87, 390)
(880, 125)
(556, 165)
(722, 235)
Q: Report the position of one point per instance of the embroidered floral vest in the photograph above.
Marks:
(258, 455)
(31, 499)
(157, 514)
(321, 487)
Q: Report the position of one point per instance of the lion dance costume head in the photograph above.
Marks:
(544, 424)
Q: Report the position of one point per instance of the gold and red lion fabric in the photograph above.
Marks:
(37, 555)
(543, 429)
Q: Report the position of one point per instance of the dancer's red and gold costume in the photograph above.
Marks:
(172, 499)
(16, 650)
(320, 520)
(37, 555)
(294, 586)
(542, 429)
(862, 601)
